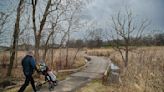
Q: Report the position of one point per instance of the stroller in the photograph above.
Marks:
(49, 76)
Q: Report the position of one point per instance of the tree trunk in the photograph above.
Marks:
(67, 50)
(66, 60)
(126, 58)
(41, 26)
(126, 53)
(15, 38)
(78, 49)
(16, 52)
(34, 3)
(52, 58)
(37, 42)
(60, 63)
(46, 47)
(45, 53)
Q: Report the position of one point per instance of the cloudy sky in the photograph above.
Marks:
(102, 10)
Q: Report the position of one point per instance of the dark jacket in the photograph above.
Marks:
(28, 64)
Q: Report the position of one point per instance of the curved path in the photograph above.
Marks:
(95, 69)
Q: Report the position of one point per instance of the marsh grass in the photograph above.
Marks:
(145, 71)
(58, 62)
(100, 52)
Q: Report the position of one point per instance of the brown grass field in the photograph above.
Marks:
(58, 62)
(145, 72)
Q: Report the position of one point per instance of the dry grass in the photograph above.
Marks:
(95, 86)
(100, 52)
(58, 62)
(60, 59)
(145, 72)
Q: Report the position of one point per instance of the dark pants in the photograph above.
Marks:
(29, 78)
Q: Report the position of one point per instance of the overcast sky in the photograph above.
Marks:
(102, 10)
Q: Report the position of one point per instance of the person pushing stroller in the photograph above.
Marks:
(29, 65)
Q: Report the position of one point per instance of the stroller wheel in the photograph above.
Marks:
(38, 86)
(55, 83)
(51, 86)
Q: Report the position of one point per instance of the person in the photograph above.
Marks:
(29, 65)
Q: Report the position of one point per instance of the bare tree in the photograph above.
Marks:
(15, 36)
(38, 31)
(68, 37)
(3, 21)
(55, 24)
(126, 29)
(73, 25)
(25, 36)
(61, 21)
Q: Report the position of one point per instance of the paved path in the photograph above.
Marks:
(94, 69)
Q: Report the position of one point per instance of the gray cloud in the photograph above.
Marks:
(101, 10)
